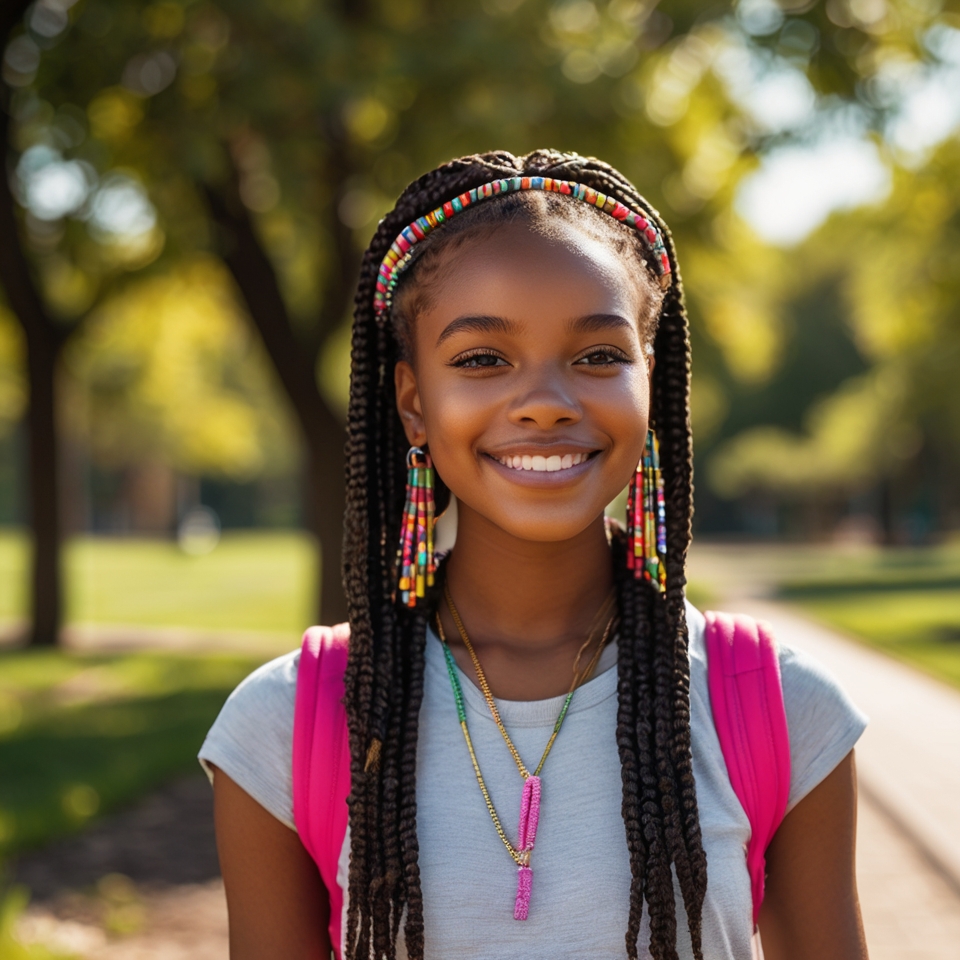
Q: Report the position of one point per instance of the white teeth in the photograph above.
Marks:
(545, 464)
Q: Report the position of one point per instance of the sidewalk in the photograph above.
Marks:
(909, 757)
(908, 762)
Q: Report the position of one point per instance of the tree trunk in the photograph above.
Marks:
(295, 365)
(44, 473)
(44, 340)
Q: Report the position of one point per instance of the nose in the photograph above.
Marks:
(546, 401)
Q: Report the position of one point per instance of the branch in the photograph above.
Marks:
(15, 273)
(257, 280)
(338, 290)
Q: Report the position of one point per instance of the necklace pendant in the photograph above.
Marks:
(527, 835)
(521, 909)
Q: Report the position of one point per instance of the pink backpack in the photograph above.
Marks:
(746, 699)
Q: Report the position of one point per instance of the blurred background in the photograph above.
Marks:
(189, 187)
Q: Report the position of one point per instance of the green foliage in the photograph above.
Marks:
(323, 112)
(13, 567)
(13, 397)
(892, 273)
(83, 734)
(168, 370)
(257, 582)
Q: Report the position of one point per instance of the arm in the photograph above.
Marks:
(277, 903)
(811, 910)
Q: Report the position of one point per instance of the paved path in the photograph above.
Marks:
(908, 760)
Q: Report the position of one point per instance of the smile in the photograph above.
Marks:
(541, 464)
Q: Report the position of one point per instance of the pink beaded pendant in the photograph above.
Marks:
(529, 818)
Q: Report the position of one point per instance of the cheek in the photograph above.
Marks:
(456, 415)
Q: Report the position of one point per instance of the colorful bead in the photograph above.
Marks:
(415, 556)
(398, 257)
(521, 908)
(647, 518)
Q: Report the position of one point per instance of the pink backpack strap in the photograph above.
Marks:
(746, 697)
(321, 758)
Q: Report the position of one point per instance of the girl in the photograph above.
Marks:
(520, 327)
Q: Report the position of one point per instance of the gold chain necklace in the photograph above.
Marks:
(530, 801)
(577, 680)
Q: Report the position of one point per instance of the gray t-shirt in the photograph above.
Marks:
(581, 868)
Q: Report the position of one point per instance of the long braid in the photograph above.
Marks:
(384, 681)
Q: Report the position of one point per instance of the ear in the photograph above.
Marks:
(408, 404)
(651, 363)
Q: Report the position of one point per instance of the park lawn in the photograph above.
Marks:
(81, 734)
(252, 581)
(904, 602)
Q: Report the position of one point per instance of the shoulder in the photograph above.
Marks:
(252, 738)
(823, 722)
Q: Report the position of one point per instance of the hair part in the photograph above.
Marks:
(385, 669)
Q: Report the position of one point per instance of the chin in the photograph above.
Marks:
(548, 528)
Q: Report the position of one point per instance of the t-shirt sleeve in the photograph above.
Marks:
(252, 738)
(823, 723)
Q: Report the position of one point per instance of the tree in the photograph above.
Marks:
(44, 341)
(275, 134)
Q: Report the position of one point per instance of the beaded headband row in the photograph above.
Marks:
(401, 251)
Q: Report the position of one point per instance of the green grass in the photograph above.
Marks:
(251, 581)
(904, 602)
(83, 734)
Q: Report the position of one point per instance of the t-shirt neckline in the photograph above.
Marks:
(525, 713)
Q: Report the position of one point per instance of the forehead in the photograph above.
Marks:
(526, 272)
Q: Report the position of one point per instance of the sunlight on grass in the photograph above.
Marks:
(13, 901)
(904, 602)
(82, 734)
(251, 581)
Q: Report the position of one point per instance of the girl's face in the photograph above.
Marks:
(530, 383)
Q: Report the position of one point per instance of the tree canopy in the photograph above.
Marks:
(180, 164)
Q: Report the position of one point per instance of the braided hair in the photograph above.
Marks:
(385, 672)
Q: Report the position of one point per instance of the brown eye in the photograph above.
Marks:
(477, 360)
(599, 358)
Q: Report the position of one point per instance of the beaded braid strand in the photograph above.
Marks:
(415, 556)
(646, 518)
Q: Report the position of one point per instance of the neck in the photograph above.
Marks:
(527, 606)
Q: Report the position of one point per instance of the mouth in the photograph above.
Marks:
(537, 463)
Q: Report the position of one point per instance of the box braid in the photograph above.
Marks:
(385, 671)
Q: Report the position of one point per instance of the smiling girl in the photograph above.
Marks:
(520, 340)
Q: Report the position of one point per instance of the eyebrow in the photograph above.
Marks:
(591, 323)
(478, 324)
(596, 322)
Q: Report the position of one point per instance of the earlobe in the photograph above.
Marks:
(408, 403)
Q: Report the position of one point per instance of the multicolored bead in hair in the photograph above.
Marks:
(646, 518)
(415, 555)
(401, 251)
